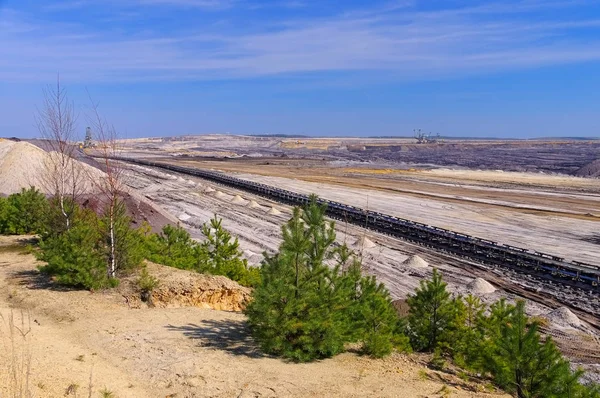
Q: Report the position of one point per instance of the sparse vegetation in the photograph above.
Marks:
(504, 344)
(218, 255)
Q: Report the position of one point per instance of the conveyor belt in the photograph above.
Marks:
(542, 265)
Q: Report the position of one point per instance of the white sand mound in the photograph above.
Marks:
(480, 286)
(23, 165)
(254, 205)
(273, 211)
(184, 217)
(415, 262)
(364, 243)
(563, 316)
(220, 195)
(238, 200)
(209, 190)
(190, 182)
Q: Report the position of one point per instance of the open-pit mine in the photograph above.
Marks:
(499, 218)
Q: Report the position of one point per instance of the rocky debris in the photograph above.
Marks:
(564, 317)
(238, 200)
(23, 165)
(364, 243)
(180, 288)
(415, 262)
(591, 169)
(480, 286)
(273, 211)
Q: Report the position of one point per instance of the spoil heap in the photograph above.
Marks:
(23, 165)
(238, 200)
(415, 262)
(564, 317)
(364, 243)
(273, 211)
(480, 286)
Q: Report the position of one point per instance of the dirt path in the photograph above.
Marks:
(173, 352)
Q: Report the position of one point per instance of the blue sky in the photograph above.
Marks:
(512, 68)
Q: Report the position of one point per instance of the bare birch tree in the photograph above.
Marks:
(110, 186)
(120, 238)
(63, 177)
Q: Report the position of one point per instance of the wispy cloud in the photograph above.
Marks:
(395, 39)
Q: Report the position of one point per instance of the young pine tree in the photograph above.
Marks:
(379, 320)
(295, 312)
(468, 342)
(304, 309)
(76, 257)
(223, 256)
(24, 212)
(517, 359)
(432, 312)
(173, 247)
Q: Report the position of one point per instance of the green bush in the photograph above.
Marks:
(76, 257)
(221, 255)
(23, 213)
(173, 247)
(218, 255)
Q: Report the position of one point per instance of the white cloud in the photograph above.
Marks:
(394, 40)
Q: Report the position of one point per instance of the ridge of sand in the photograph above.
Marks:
(415, 261)
(480, 286)
(23, 165)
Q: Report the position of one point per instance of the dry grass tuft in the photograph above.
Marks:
(15, 373)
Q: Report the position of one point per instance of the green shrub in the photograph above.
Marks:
(173, 247)
(76, 257)
(222, 255)
(23, 213)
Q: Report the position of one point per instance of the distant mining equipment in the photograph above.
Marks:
(87, 142)
(425, 138)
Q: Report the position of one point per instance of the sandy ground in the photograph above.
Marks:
(77, 339)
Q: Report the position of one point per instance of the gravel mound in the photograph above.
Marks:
(415, 262)
(564, 317)
(23, 165)
(238, 200)
(273, 211)
(364, 243)
(480, 286)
